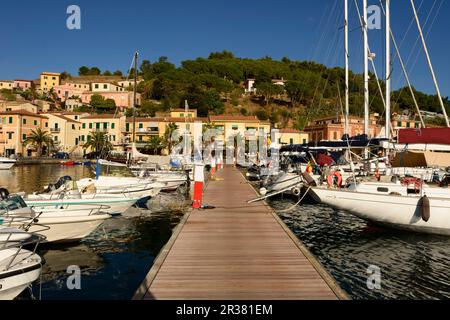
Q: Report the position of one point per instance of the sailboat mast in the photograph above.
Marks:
(347, 111)
(388, 69)
(136, 55)
(366, 70)
(425, 48)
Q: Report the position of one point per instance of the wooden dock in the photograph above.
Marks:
(237, 251)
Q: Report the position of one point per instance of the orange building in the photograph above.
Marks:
(333, 128)
(15, 127)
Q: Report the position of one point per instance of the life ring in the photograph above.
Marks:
(331, 181)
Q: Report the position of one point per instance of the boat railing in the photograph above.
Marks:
(8, 241)
(93, 209)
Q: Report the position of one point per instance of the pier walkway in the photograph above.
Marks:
(236, 251)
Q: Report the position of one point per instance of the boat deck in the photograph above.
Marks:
(237, 251)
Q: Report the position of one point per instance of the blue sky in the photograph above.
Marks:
(35, 38)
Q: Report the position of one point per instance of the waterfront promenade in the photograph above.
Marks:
(235, 251)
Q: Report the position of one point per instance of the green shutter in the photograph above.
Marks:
(84, 126)
(90, 125)
(24, 137)
(113, 125)
(128, 127)
(10, 119)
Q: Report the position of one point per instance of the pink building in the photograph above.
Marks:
(68, 90)
(122, 99)
(23, 84)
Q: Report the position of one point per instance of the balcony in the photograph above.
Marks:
(55, 130)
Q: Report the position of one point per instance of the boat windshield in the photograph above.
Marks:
(12, 203)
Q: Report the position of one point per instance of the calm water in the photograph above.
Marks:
(413, 266)
(115, 258)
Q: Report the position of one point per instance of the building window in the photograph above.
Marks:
(408, 124)
(73, 127)
(141, 125)
(88, 138)
(46, 124)
(24, 121)
(181, 115)
(83, 125)
(10, 135)
(113, 125)
(304, 141)
(90, 125)
(56, 138)
(97, 125)
(127, 127)
(113, 138)
(10, 119)
(234, 127)
(105, 86)
(24, 137)
(417, 126)
(35, 122)
(105, 125)
(96, 86)
(82, 138)
(291, 141)
(399, 123)
(76, 117)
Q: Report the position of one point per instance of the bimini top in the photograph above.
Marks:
(354, 142)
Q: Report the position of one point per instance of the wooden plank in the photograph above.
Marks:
(236, 251)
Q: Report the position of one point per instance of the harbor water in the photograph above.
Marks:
(115, 258)
(411, 265)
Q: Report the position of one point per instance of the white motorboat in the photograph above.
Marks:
(6, 163)
(56, 224)
(131, 187)
(19, 268)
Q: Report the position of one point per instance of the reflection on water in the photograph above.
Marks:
(413, 266)
(116, 257)
(113, 260)
(31, 178)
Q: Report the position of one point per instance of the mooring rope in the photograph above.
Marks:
(293, 206)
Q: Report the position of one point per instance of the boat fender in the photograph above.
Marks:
(425, 208)
(330, 179)
(263, 191)
(296, 191)
(309, 180)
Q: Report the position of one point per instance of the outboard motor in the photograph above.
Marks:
(4, 194)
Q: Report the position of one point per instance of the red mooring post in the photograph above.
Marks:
(199, 178)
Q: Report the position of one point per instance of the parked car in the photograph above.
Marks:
(61, 155)
(91, 155)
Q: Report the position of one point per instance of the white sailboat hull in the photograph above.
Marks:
(400, 212)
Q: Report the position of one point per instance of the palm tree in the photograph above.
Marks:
(155, 144)
(39, 138)
(99, 142)
(167, 139)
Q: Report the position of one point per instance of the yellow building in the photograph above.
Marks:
(16, 105)
(65, 133)
(49, 80)
(182, 113)
(148, 127)
(292, 136)
(247, 126)
(113, 125)
(15, 127)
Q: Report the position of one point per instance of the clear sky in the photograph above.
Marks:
(34, 36)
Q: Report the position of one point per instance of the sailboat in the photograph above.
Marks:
(424, 209)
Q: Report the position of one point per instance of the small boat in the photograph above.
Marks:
(19, 267)
(65, 194)
(55, 223)
(6, 163)
(68, 163)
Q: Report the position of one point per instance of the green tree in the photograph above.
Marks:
(101, 104)
(94, 71)
(295, 91)
(98, 142)
(268, 90)
(8, 94)
(168, 136)
(39, 139)
(155, 144)
(118, 73)
(107, 73)
(83, 71)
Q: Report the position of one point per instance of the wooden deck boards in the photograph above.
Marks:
(235, 251)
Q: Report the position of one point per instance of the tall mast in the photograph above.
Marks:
(388, 69)
(136, 55)
(366, 70)
(347, 129)
(425, 48)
